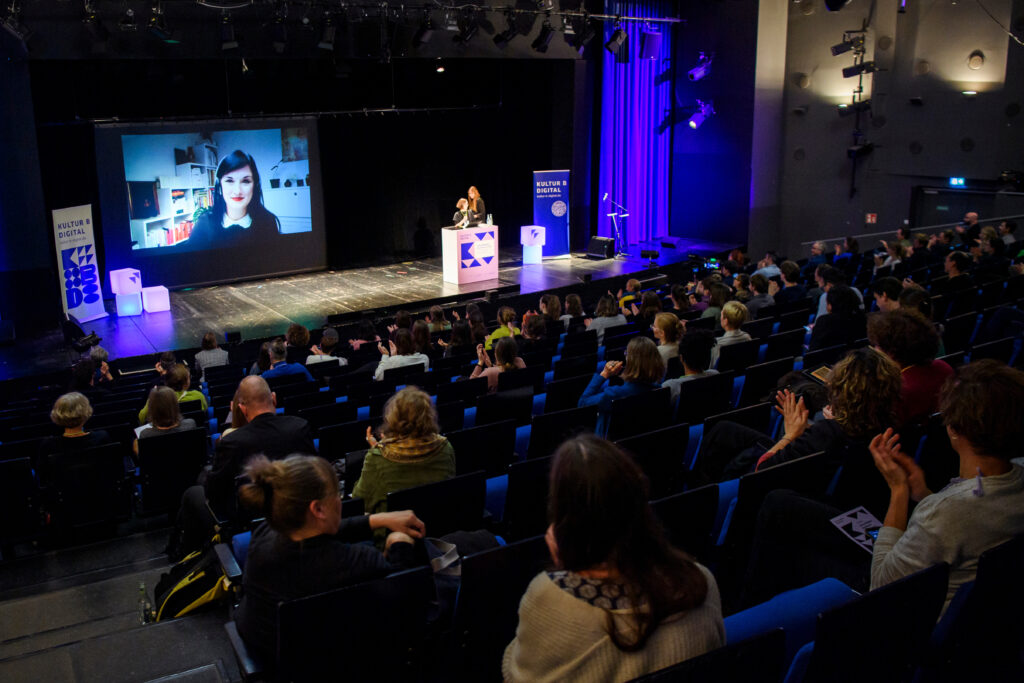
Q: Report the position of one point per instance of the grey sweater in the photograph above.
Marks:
(954, 525)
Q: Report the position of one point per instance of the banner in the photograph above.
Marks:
(551, 209)
(76, 256)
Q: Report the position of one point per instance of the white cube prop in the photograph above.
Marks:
(125, 281)
(129, 304)
(155, 299)
(532, 237)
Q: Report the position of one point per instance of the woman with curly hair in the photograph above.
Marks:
(620, 602)
(410, 451)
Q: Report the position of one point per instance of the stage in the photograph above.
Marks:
(261, 308)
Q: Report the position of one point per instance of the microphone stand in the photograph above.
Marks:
(620, 242)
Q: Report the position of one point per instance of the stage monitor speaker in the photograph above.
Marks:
(650, 45)
(601, 247)
(6, 332)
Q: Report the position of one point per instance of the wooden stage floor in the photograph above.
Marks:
(261, 308)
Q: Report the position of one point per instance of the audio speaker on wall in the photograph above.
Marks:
(601, 247)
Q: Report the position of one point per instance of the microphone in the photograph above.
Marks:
(605, 197)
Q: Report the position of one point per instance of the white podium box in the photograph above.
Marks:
(469, 254)
(532, 237)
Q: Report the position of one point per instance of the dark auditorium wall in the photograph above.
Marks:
(710, 175)
(925, 53)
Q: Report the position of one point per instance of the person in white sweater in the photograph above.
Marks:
(983, 409)
(401, 353)
(607, 315)
(612, 559)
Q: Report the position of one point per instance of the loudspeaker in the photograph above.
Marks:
(6, 332)
(601, 247)
(650, 45)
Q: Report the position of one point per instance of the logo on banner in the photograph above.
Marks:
(559, 208)
(81, 281)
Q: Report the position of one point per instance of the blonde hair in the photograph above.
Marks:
(506, 315)
(283, 489)
(632, 285)
(71, 410)
(409, 413)
(670, 326)
(735, 314)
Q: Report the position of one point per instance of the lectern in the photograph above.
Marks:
(469, 254)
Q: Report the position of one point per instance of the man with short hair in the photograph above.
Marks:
(279, 365)
(791, 290)
(761, 298)
(816, 259)
(1006, 230)
(767, 267)
(957, 265)
(887, 293)
(830, 278)
(969, 228)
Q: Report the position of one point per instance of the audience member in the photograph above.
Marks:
(236, 417)
(847, 249)
(534, 337)
(667, 330)
(830, 277)
(279, 365)
(103, 374)
(401, 352)
(791, 289)
(409, 453)
(957, 266)
(297, 340)
(983, 409)
(210, 355)
(1006, 232)
(718, 294)
(83, 379)
(262, 363)
(730, 269)
(734, 314)
(177, 379)
(506, 327)
(164, 416)
(505, 358)
(816, 259)
(164, 363)
(886, 291)
(460, 342)
(761, 297)
(844, 322)
(642, 371)
(969, 228)
(643, 315)
(631, 294)
(573, 309)
(304, 547)
(70, 411)
(695, 350)
(403, 321)
(911, 342)
(367, 335)
(421, 338)
(437, 321)
(741, 285)
(680, 299)
(327, 350)
(767, 267)
(606, 315)
(550, 308)
(620, 601)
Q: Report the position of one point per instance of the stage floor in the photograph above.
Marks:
(261, 308)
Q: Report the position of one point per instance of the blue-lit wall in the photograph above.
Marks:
(710, 183)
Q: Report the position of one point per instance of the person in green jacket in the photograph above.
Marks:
(410, 451)
(506, 327)
(177, 378)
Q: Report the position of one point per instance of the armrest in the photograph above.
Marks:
(228, 562)
(249, 667)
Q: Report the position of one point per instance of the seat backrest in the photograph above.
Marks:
(575, 366)
(487, 610)
(330, 414)
(531, 376)
(793, 321)
(89, 487)
(689, 519)
(758, 329)
(489, 447)
(565, 393)
(661, 454)
(337, 440)
(761, 379)
(515, 404)
(785, 344)
(548, 431)
(463, 390)
(958, 331)
(826, 356)
(738, 357)
(293, 404)
(169, 464)
(892, 623)
(704, 396)
(756, 417)
(454, 504)
(20, 516)
(936, 455)
(526, 501)
(639, 413)
(396, 606)
(397, 375)
(1000, 350)
(759, 659)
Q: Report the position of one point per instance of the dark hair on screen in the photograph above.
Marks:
(535, 327)
(718, 295)
(984, 403)
(82, 374)
(232, 162)
(167, 360)
(403, 320)
(477, 324)
(283, 489)
(790, 271)
(597, 506)
(844, 302)
(681, 298)
(759, 283)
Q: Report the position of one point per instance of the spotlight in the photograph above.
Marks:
(854, 108)
(849, 43)
(858, 151)
(12, 24)
(468, 27)
(127, 21)
(543, 39)
(615, 43)
(858, 69)
(158, 26)
(424, 33)
(501, 40)
(227, 33)
(704, 111)
(327, 37)
(702, 69)
(583, 33)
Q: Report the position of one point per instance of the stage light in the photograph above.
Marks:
(468, 28)
(615, 43)
(583, 33)
(227, 33)
(858, 151)
(424, 33)
(704, 111)
(12, 24)
(849, 43)
(158, 26)
(702, 69)
(127, 22)
(853, 108)
(543, 39)
(501, 40)
(858, 69)
(328, 35)
(97, 30)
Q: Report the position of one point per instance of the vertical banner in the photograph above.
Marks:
(76, 258)
(551, 209)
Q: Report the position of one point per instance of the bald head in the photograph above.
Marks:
(971, 217)
(255, 397)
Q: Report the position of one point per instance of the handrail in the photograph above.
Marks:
(925, 229)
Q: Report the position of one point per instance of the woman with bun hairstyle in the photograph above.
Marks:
(668, 330)
(304, 547)
(237, 215)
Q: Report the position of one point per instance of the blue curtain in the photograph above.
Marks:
(635, 150)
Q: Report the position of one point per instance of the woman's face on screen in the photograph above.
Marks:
(236, 187)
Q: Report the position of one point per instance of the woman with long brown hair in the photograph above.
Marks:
(642, 371)
(477, 208)
(620, 601)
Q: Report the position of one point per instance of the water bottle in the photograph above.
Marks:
(490, 219)
(145, 606)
